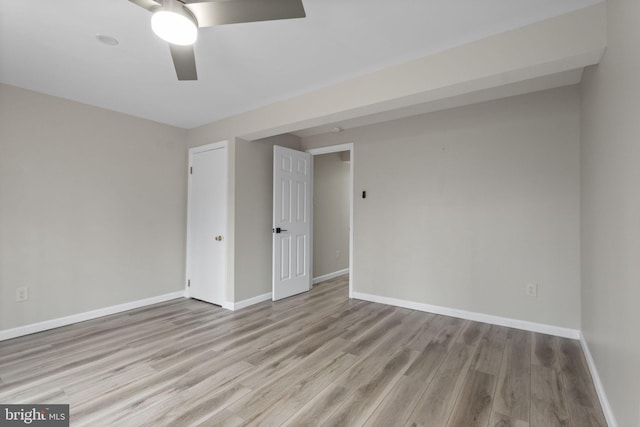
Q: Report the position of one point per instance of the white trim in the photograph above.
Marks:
(470, 315)
(89, 315)
(227, 305)
(604, 402)
(330, 276)
(330, 149)
(336, 149)
(208, 147)
(249, 301)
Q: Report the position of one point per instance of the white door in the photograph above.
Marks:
(292, 195)
(206, 263)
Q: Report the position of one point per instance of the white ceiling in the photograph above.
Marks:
(50, 47)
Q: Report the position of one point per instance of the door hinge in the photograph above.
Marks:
(189, 283)
(190, 170)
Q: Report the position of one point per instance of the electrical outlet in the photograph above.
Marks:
(337, 254)
(22, 294)
(532, 289)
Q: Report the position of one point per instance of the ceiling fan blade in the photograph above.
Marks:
(184, 60)
(220, 12)
(146, 4)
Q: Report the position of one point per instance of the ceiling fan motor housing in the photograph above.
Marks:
(174, 23)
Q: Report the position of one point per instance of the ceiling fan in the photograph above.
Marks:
(177, 22)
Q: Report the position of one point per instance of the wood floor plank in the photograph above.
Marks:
(223, 418)
(473, 333)
(398, 404)
(500, 420)
(328, 358)
(545, 351)
(362, 400)
(281, 364)
(318, 358)
(473, 407)
(206, 408)
(426, 364)
(64, 376)
(375, 335)
(284, 346)
(512, 396)
(188, 393)
(436, 404)
(424, 336)
(548, 402)
(582, 399)
(114, 399)
(357, 330)
(319, 409)
(488, 358)
(410, 326)
(298, 394)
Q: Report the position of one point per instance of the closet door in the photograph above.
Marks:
(206, 242)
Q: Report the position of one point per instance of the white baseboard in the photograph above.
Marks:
(227, 305)
(470, 315)
(247, 302)
(81, 317)
(604, 402)
(330, 275)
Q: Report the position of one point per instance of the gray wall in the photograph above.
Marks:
(465, 207)
(92, 207)
(254, 214)
(331, 195)
(611, 212)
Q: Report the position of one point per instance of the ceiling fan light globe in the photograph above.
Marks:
(174, 27)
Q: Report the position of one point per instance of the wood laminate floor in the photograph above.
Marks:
(314, 359)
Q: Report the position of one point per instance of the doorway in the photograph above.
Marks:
(333, 213)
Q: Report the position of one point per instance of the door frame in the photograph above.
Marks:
(192, 151)
(336, 149)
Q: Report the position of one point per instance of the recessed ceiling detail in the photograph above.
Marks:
(108, 40)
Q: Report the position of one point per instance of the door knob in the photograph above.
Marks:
(219, 238)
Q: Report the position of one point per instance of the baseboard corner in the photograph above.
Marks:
(602, 395)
